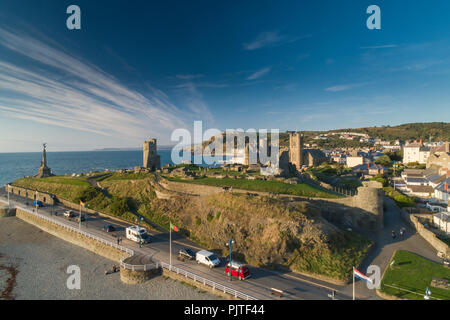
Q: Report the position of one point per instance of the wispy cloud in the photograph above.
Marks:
(258, 74)
(188, 76)
(194, 101)
(271, 39)
(344, 87)
(60, 89)
(386, 46)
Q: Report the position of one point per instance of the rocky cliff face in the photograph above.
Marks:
(268, 232)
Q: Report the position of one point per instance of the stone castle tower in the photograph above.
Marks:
(152, 160)
(296, 149)
(44, 171)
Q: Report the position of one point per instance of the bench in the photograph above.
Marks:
(276, 292)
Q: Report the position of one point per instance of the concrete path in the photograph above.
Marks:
(386, 245)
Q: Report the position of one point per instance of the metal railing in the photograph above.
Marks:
(206, 282)
(76, 230)
(141, 267)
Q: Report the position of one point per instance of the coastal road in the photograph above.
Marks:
(259, 285)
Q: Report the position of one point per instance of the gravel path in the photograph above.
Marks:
(42, 260)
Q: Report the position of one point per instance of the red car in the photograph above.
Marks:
(238, 270)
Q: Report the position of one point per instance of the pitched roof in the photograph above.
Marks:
(420, 189)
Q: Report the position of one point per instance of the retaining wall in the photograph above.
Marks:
(429, 236)
(73, 237)
(7, 212)
(32, 194)
(136, 277)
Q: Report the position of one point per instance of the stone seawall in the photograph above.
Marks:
(430, 237)
(7, 212)
(73, 237)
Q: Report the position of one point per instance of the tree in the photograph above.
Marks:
(384, 161)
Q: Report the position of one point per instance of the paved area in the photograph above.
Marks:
(386, 245)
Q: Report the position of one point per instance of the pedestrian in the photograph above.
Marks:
(118, 239)
(393, 234)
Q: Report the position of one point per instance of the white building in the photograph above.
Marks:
(442, 222)
(354, 161)
(415, 153)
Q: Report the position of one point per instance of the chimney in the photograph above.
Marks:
(420, 142)
(447, 147)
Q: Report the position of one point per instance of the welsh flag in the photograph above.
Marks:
(174, 227)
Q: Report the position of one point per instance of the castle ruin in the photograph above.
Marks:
(152, 160)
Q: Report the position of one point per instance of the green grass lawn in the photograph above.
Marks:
(414, 273)
(300, 189)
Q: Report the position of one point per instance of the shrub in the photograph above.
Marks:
(87, 194)
(119, 206)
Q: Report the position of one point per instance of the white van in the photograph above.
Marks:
(136, 234)
(207, 258)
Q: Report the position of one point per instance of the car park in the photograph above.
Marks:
(238, 269)
(186, 254)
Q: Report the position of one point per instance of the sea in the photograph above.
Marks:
(18, 165)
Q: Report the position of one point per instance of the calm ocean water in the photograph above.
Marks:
(17, 165)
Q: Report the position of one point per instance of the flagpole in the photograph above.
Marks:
(353, 275)
(170, 241)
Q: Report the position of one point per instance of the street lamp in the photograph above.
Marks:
(229, 243)
(86, 215)
(8, 186)
(139, 228)
(36, 201)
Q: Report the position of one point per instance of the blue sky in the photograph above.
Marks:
(140, 69)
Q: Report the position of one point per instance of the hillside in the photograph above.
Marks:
(432, 131)
(268, 232)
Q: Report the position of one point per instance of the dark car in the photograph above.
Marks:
(186, 254)
(109, 228)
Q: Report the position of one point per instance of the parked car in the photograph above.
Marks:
(37, 203)
(238, 269)
(207, 258)
(69, 214)
(186, 254)
(109, 228)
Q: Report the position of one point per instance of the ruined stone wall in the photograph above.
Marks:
(190, 188)
(365, 210)
(46, 198)
(430, 237)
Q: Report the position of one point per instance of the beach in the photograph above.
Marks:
(33, 265)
